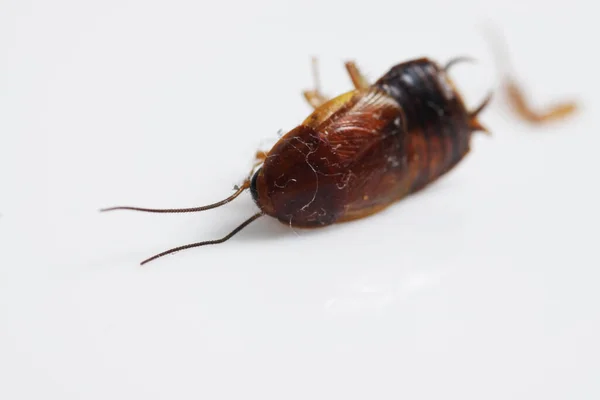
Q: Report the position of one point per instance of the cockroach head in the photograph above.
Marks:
(253, 188)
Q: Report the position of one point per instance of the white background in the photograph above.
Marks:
(484, 286)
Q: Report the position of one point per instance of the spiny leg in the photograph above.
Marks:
(519, 104)
(517, 100)
(314, 97)
(358, 80)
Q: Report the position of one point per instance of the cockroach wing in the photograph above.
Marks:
(366, 132)
(367, 118)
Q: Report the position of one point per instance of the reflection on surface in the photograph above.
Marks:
(368, 296)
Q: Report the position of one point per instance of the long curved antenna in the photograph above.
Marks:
(192, 245)
(239, 190)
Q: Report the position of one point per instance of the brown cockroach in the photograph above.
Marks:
(365, 149)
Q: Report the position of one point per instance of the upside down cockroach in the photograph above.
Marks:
(363, 150)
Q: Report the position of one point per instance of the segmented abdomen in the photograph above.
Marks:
(435, 118)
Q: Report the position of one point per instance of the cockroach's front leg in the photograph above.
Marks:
(259, 158)
(314, 97)
(358, 80)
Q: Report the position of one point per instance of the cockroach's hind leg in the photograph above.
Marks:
(518, 102)
(516, 98)
(358, 79)
(315, 97)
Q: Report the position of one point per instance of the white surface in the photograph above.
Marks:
(485, 286)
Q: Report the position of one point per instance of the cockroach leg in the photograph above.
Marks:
(260, 157)
(314, 97)
(513, 91)
(358, 80)
(518, 102)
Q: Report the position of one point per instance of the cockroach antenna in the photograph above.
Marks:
(207, 242)
(239, 190)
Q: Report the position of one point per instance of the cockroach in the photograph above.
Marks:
(362, 151)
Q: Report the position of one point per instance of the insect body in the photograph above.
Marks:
(364, 150)
(367, 148)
